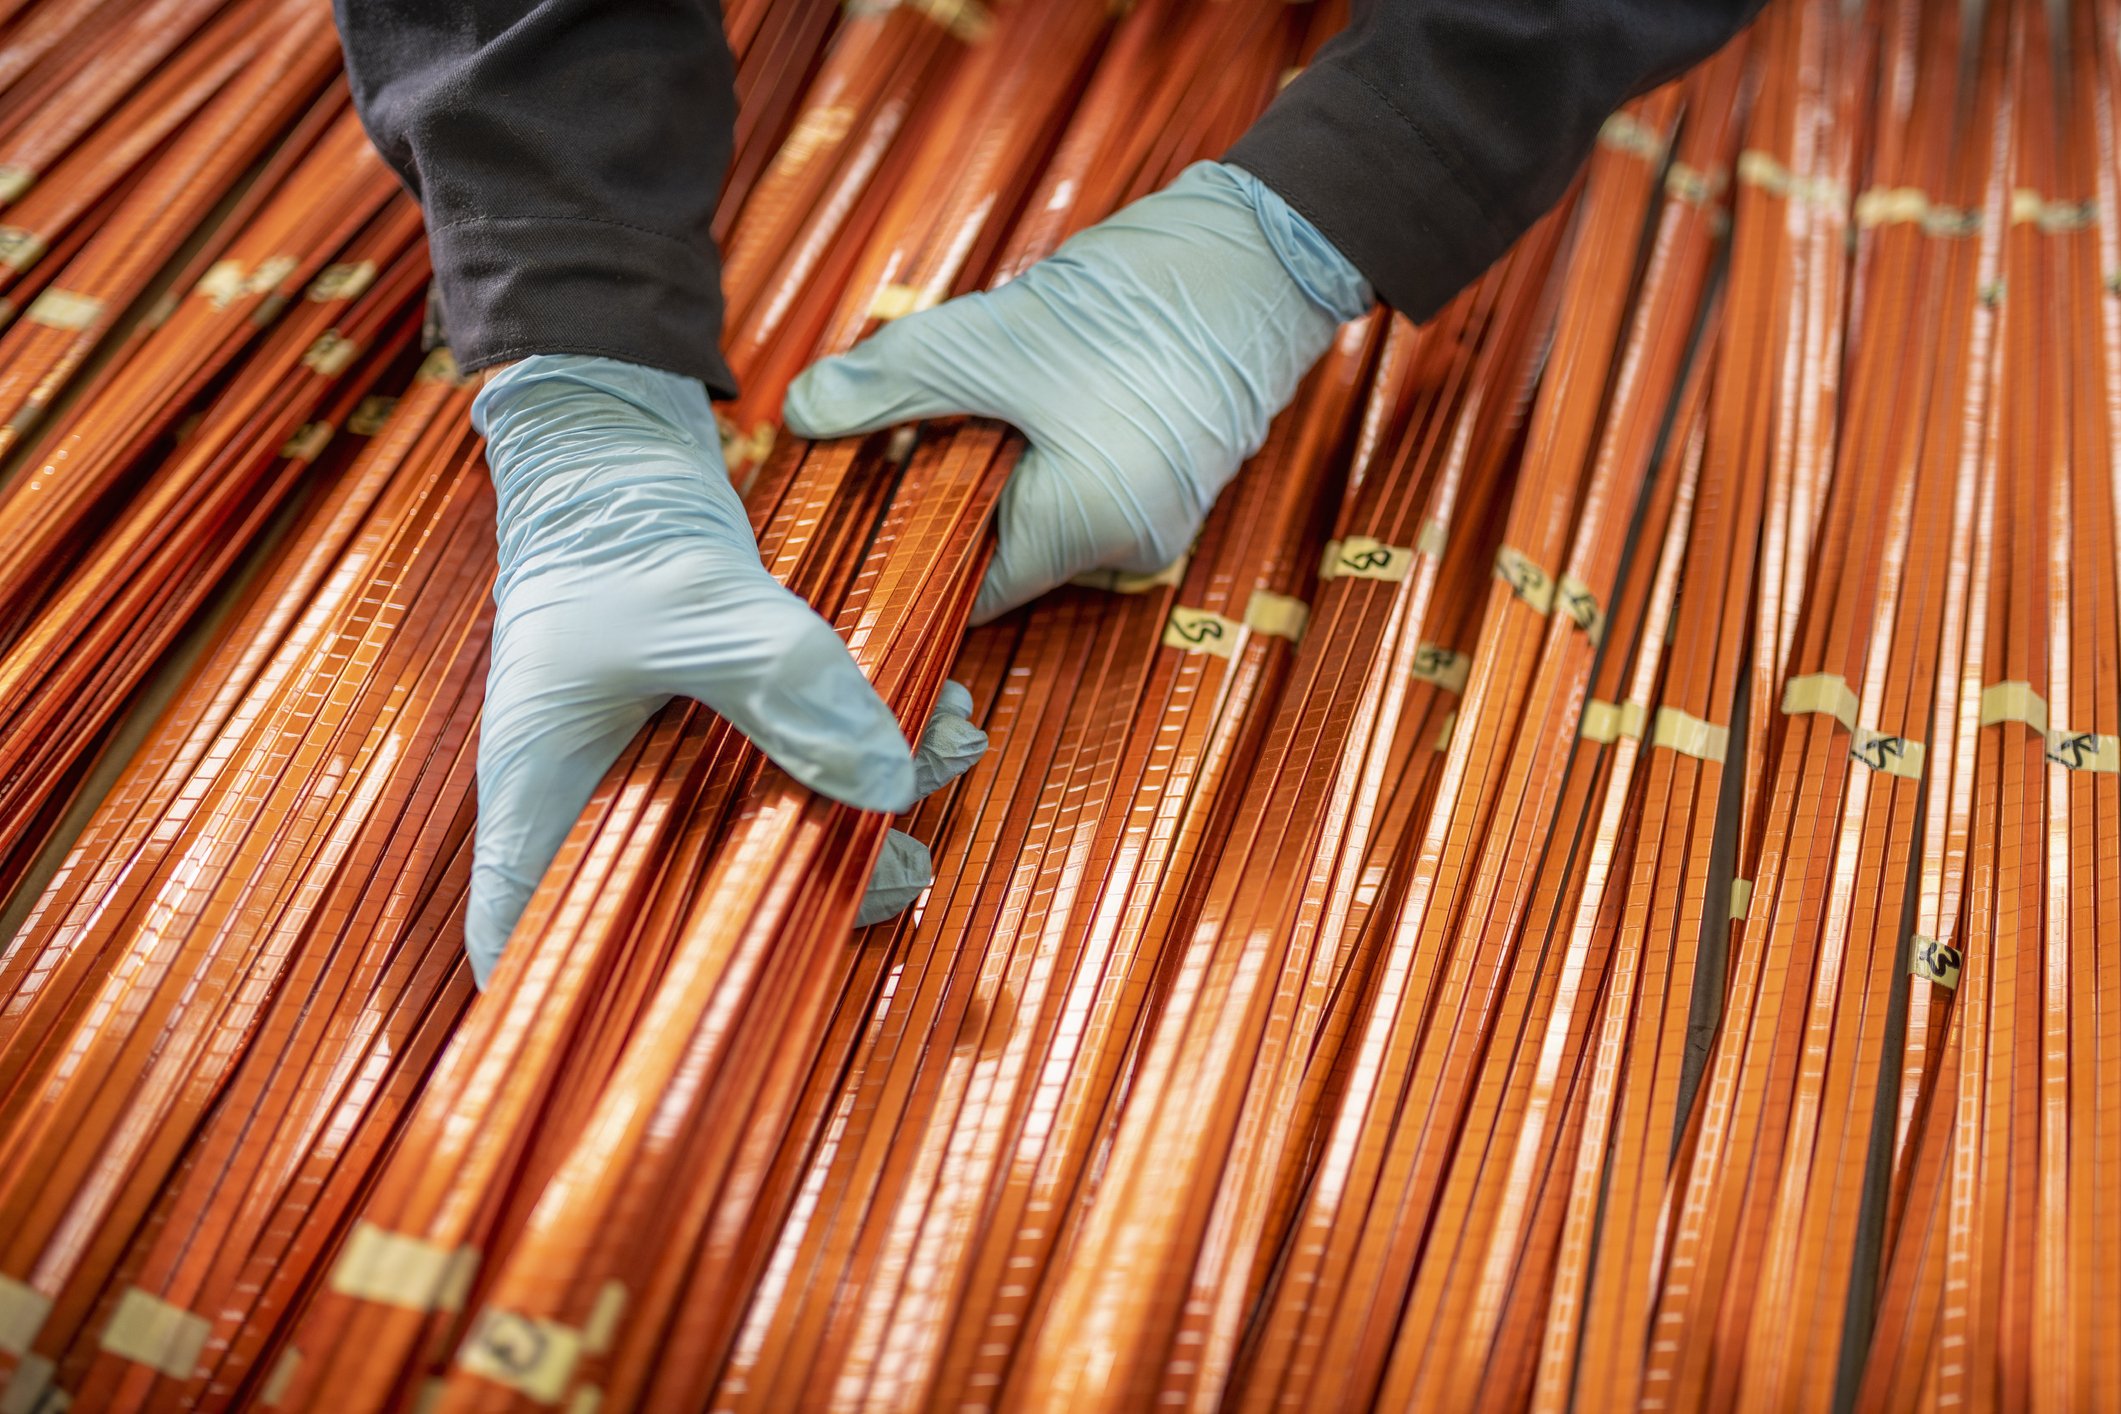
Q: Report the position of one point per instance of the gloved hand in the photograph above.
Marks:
(628, 575)
(1143, 360)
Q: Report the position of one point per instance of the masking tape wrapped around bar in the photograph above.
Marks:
(343, 281)
(1528, 580)
(22, 1312)
(63, 309)
(15, 180)
(1443, 735)
(1696, 186)
(1892, 206)
(536, 1356)
(1767, 172)
(968, 20)
(1125, 582)
(309, 443)
(1608, 722)
(1361, 557)
(221, 284)
(1893, 755)
(331, 354)
(282, 1377)
(1933, 960)
(29, 1390)
(394, 1269)
(149, 1331)
(370, 415)
(1741, 897)
(1624, 132)
(1829, 693)
(1689, 735)
(1581, 605)
(440, 366)
(1445, 667)
(2084, 751)
(2054, 218)
(898, 301)
(2013, 702)
(20, 249)
(1277, 615)
(1201, 631)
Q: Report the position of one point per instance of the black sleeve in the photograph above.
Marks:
(1430, 134)
(567, 154)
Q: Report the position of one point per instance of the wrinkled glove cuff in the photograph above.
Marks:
(1317, 266)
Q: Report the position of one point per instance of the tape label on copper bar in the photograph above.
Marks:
(1443, 737)
(1697, 186)
(1821, 692)
(149, 1331)
(221, 284)
(29, 1390)
(63, 309)
(20, 249)
(1581, 605)
(1201, 631)
(370, 415)
(898, 301)
(1445, 667)
(331, 354)
(1892, 206)
(530, 1354)
(1934, 960)
(283, 1375)
(1361, 557)
(15, 180)
(395, 1269)
(1126, 582)
(1526, 578)
(1624, 132)
(344, 281)
(309, 443)
(1741, 897)
(1689, 735)
(1893, 755)
(969, 20)
(1608, 722)
(2084, 751)
(2013, 702)
(1277, 615)
(22, 1312)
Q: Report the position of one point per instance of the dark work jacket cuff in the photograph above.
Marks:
(517, 286)
(1371, 180)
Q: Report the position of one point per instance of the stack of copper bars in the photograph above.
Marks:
(1582, 889)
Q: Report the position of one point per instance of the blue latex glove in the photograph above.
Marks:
(1143, 360)
(628, 576)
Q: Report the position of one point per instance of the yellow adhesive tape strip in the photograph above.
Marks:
(1530, 582)
(1689, 735)
(1741, 897)
(2084, 751)
(1443, 737)
(1277, 615)
(1822, 692)
(1894, 755)
(586, 1399)
(20, 249)
(331, 354)
(343, 281)
(898, 301)
(63, 309)
(1431, 539)
(2013, 702)
(1767, 172)
(1892, 206)
(1124, 582)
(1607, 722)
(1361, 557)
(29, 1390)
(1445, 667)
(309, 443)
(269, 275)
(283, 1374)
(370, 415)
(22, 1312)
(816, 130)
(440, 366)
(1624, 132)
(2052, 217)
(397, 1270)
(603, 1325)
(529, 1354)
(14, 180)
(1581, 605)
(1201, 631)
(1934, 960)
(149, 1331)
(1697, 186)
(221, 283)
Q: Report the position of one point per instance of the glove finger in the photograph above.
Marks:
(950, 744)
(902, 871)
(779, 674)
(1046, 534)
(898, 374)
(540, 758)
